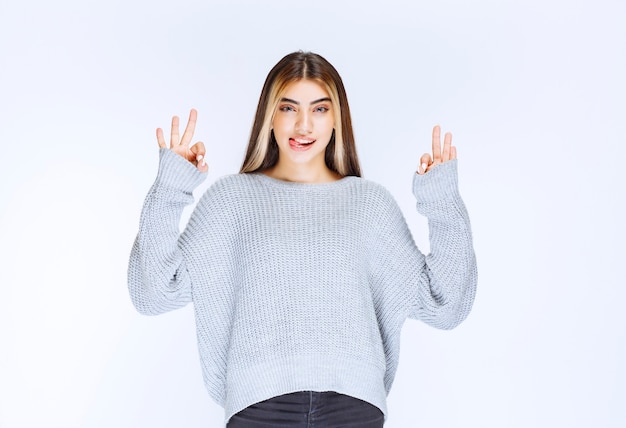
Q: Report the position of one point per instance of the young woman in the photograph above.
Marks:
(301, 273)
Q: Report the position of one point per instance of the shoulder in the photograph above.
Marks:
(234, 181)
(224, 193)
(375, 192)
(380, 214)
(229, 199)
(374, 201)
(375, 188)
(232, 184)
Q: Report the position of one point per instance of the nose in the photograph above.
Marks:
(304, 125)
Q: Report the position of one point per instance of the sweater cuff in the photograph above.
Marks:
(176, 172)
(438, 184)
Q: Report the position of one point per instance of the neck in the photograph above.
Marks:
(302, 173)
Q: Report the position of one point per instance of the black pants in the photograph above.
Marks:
(309, 410)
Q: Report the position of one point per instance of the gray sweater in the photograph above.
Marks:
(300, 286)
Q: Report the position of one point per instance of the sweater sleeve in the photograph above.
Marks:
(446, 295)
(437, 288)
(158, 279)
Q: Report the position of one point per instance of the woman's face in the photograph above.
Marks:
(303, 124)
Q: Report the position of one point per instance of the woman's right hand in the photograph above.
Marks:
(193, 153)
(439, 155)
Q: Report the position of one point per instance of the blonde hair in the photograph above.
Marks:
(262, 151)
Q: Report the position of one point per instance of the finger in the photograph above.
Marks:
(198, 148)
(190, 128)
(160, 139)
(453, 152)
(425, 161)
(175, 132)
(447, 143)
(437, 143)
(199, 153)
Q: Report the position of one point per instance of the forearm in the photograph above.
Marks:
(157, 275)
(448, 284)
(447, 295)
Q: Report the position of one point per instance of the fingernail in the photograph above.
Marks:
(199, 158)
(424, 167)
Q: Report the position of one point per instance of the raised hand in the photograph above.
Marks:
(439, 156)
(194, 153)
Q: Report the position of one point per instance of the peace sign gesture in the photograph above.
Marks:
(193, 153)
(439, 156)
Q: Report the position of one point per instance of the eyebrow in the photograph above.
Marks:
(289, 100)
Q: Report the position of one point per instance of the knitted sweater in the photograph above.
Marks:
(300, 286)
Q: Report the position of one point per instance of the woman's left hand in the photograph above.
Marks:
(439, 156)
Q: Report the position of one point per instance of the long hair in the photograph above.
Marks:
(262, 152)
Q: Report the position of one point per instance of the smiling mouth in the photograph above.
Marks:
(301, 143)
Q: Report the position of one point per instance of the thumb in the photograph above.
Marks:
(425, 161)
(199, 152)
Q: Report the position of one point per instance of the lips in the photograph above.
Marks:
(301, 144)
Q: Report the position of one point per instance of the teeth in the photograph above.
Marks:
(297, 140)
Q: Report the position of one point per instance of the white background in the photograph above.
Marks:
(533, 91)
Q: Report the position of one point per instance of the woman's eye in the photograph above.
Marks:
(286, 108)
(321, 109)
